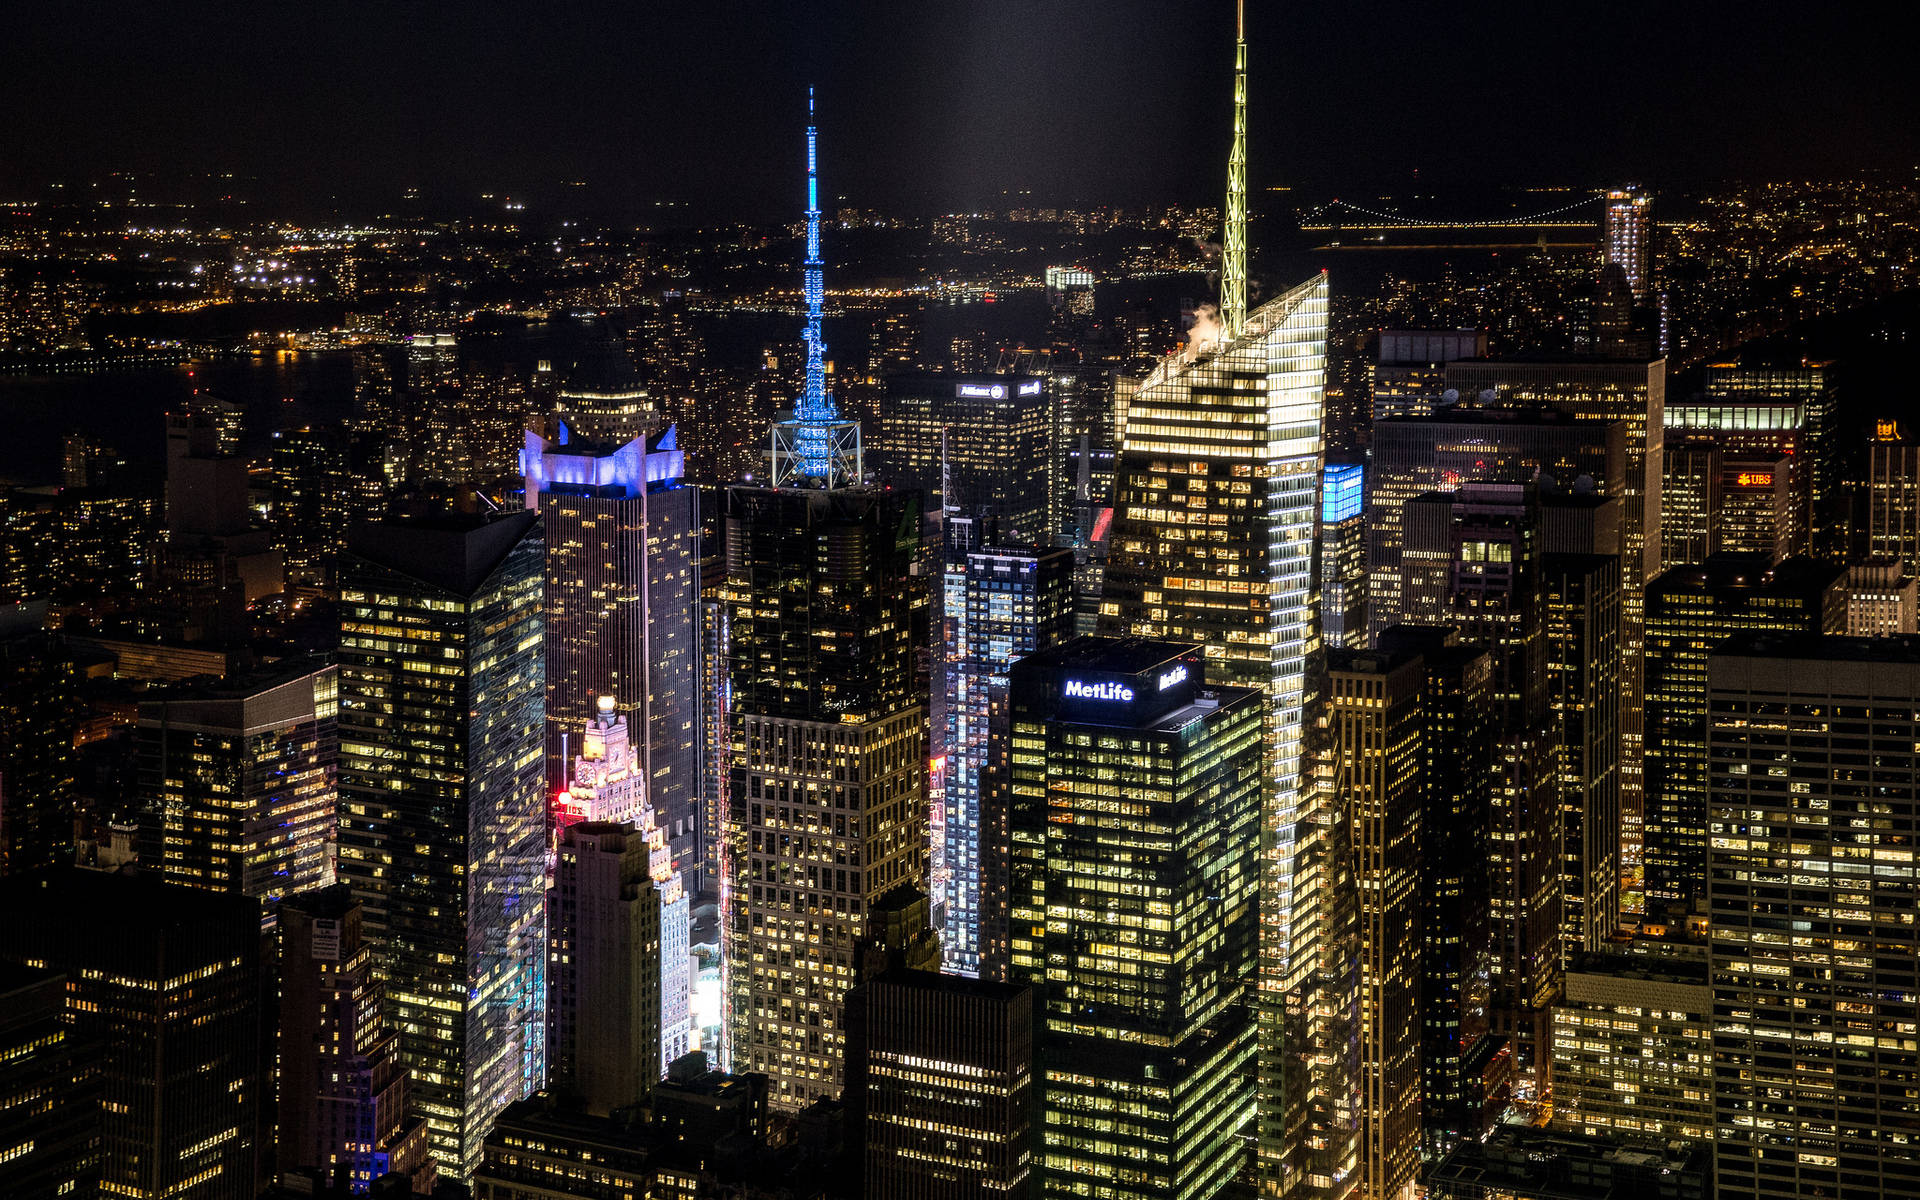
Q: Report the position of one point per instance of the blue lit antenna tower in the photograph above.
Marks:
(815, 448)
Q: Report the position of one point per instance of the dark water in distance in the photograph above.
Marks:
(126, 409)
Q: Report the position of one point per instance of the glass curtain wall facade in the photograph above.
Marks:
(1217, 502)
(443, 813)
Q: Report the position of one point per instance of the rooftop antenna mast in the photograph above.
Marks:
(1233, 267)
(816, 448)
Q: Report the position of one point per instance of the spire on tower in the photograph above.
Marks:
(815, 448)
(1233, 266)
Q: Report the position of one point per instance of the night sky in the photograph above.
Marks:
(930, 106)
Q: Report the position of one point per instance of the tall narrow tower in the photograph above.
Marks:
(1233, 267)
(815, 448)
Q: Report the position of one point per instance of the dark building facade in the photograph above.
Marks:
(975, 444)
(167, 985)
(940, 1086)
(49, 1091)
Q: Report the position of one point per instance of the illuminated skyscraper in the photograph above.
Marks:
(1375, 702)
(1773, 411)
(622, 544)
(1217, 501)
(1633, 1042)
(236, 782)
(1689, 611)
(39, 713)
(1135, 793)
(1343, 557)
(940, 1086)
(1412, 456)
(1475, 563)
(826, 794)
(1756, 507)
(1628, 238)
(608, 787)
(1812, 893)
(1000, 604)
(443, 806)
(1690, 503)
(1893, 498)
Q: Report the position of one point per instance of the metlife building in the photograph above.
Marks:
(974, 445)
(1133, 796)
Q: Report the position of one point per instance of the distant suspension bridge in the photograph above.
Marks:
(1332, 217)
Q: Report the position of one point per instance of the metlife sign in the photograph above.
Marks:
(1104, 690)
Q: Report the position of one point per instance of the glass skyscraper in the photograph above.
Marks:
(1000, 604)
(1135, 786)
(1217, 502)
(622, 542)
(442, 806)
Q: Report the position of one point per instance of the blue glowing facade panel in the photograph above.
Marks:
(1342, 493)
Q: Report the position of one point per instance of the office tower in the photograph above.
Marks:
(975, 444)
(1633, 1042)
(1343, 557)
(343, 1093)
(49, 1091)
(1812, 910)
(1690, 519)
(828, 763)
(1581, 606)
(1627, 239)
(1767, 410)
(1605, 391)
(604, 960)
(443, 806)
(1408, 369)
(1473, 562)
(940, 1087)
(1135, 787)
(1085, 435)
(167, 982)
(1000, 604)
(1520, 1163)
(603, 400)
(1689, 610)
(1456, 942)
(716, 699)
(1756, 514)
(1893, 497)
(311, 489)
(1881, 599)
(622, 548)
(1413, 456)
(1375, 701)
(236, 781)
(1230, 429)
(606, 786)
(39, 716)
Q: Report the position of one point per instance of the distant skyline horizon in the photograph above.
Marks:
(706, 104)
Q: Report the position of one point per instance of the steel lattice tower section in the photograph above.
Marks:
(1233, 267)
(815, 448)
